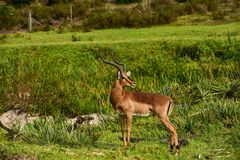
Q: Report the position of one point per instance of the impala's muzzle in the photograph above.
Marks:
(133, 84)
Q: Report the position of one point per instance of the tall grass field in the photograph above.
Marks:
(61, 74)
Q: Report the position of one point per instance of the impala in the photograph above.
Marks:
(129, 104)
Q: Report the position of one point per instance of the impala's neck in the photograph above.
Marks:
(117, 94)
(117, 85)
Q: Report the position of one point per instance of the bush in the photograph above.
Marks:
(218, 15)
(76, 38)
(201, 6)
(128, 18)
(193, 51)
(50, 2)
(104, 19)
(212, 5)
(20, 2)
(6, 15)
(166, 11)
(51, 131)
(11, 18)
(222, 111)
(55, 15)
(128, 1)
(3, 38)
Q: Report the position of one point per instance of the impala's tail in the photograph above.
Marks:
(170, 107)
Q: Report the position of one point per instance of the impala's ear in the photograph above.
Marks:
(118, 74)
(128, 73)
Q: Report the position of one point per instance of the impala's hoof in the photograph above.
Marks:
(171, 148)
(125, 145)
(177, 152)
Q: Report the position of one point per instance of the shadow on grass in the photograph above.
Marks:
(115, 145)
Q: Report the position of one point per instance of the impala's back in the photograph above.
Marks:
(146, 104)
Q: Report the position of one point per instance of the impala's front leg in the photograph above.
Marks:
(129, 123)
(123, 128)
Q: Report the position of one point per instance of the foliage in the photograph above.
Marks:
(127, 1)
(3, 37)
(6, 14)
(7, 10)
(99, 14)
(198, 66)
(19, 2)
(62, 82)
(10, 17)
(47, 132)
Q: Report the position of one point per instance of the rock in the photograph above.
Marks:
(89, 119)
(21, 118)
(16, 117)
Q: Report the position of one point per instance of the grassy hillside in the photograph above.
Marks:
(62, 73)
(109, 36)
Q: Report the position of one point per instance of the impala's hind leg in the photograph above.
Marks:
(175, 138)
(173, 132)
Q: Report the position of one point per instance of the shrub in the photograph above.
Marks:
(128, 1)
(222, 111)
(234, 91)
(53, 15)
(167, 14)
(128, 18)
(81, 9)
(59, 11)
(20, 2)
(105, 19)
(16, 19)
(50, 2)
(59, 132)
(166, 11)
(201, 6)
(218, 15)
(192, 51)
(3, 37)
(212, 5)
(75, 38)
(234, 137)
(6, 15)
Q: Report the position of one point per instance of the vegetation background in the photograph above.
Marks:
(98, 14)
(195, 59)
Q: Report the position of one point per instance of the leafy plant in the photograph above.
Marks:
(51, 131)
(224, 111)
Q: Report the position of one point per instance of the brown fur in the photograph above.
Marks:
(130, 103)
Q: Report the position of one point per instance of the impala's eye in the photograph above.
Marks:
(123, 76)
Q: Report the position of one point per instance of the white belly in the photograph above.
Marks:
(142, 114)
(139, 110)
(138, 114)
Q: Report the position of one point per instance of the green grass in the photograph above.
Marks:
(214, 144)
(198, 66)
(108, 36)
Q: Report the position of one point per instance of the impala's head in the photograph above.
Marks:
(122, 75)
(125, 80)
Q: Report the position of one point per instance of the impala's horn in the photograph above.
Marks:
(110, 63)
(122, 64)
